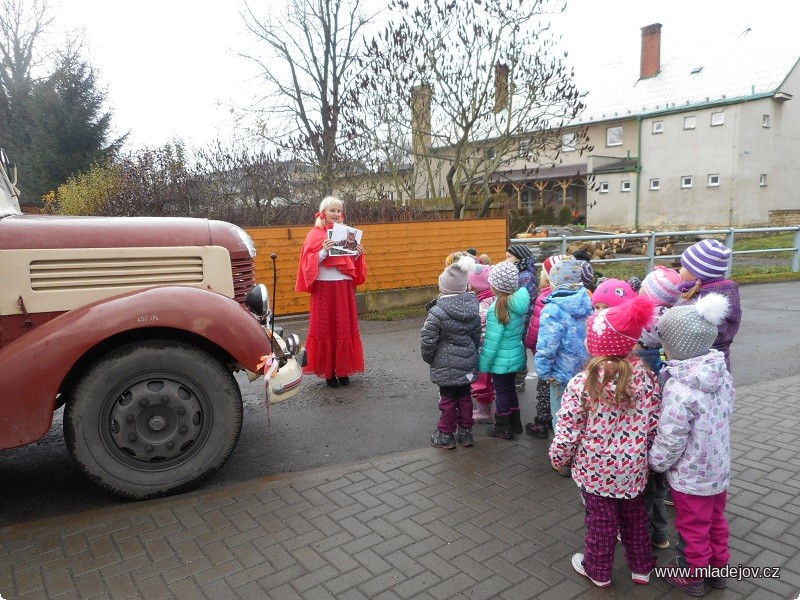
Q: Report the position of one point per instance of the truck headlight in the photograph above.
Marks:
(257, 300)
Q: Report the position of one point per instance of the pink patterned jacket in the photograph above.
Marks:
(606, 448)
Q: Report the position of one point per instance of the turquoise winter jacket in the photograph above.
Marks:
(503, 351)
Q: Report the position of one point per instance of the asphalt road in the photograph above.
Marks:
(392, 407)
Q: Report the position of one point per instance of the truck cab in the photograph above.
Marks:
(136, 326)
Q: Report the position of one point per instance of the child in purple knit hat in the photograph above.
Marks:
(704, 269)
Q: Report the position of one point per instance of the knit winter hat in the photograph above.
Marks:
(615, 331)
(613, 292)
(587, 274)
(689, 330)
(478, 280)
(504, 277)
(707, 260)
(550, 261)
(662, 285)
(566, 274)
(453, 279)
(521, 251)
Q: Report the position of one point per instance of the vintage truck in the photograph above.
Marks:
(136, 327)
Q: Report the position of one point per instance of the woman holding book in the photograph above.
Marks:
(333, 347)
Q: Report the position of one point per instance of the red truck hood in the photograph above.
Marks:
(45, 231)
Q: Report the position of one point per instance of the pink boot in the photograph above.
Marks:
(482, 413)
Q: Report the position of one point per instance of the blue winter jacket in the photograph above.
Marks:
(561, 347)
(503, 351)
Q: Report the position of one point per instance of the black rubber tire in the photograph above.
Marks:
(153, 418)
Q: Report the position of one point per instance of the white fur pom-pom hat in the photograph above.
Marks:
(689, 330)
(454, 278)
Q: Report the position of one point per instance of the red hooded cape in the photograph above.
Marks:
(308, 269)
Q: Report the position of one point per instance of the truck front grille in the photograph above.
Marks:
(244, 277)
(94, 273)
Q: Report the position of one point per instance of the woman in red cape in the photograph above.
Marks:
(333, 348)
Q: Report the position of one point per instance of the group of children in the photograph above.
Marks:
(635, 383)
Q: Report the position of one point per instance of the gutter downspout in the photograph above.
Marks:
(638, 173)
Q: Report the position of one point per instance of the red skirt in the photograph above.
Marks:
(333, 346)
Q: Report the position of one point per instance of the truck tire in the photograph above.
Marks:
(153, 418)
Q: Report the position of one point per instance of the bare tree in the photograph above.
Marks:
(307, 54)
(22, 24)
(251, 187)
(466, 88)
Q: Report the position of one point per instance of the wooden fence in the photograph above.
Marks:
(399, 255)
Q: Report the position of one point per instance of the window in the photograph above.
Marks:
(625, 186)
(490, 154)
(689, 122)
(568, 142)
(655, 184)
(658, 126)
(717, 118)
(524, 147)
(604, 187)
(713, 180)
(765, 121)
(762, 180)
(614, 136)
(686, 181)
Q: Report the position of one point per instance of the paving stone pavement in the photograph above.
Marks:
(491, 521)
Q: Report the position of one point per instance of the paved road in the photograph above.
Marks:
(390, 408)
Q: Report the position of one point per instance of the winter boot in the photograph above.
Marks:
(538, 429)
(464, 437)
(515, 422)
(482, 413)
(501, 427)
(443, 440)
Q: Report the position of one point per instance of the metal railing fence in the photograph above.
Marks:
(650, 256)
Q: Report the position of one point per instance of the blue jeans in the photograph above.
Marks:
(556, 392)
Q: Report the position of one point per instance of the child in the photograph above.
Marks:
(482, 388)
(449, 342)
(606, 423)
(693, 440)
(588, 276)
(502, 353)
(612, 292)
(560, 348)
(543, 422)
(521, 256)
(704, 267)
(662, 285)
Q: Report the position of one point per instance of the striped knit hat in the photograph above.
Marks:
(662, 285)
(550, 261)
(708, 260)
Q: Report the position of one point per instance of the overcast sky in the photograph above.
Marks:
(172, 70)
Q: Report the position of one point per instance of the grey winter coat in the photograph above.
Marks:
(450, 339)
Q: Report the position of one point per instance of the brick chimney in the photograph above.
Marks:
(500, 87)
(651, 51)
(421, 96)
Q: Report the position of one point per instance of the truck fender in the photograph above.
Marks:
(33, 367)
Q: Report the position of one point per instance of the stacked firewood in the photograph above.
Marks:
(601, 249)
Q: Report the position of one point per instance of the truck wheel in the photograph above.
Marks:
(153, 418)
